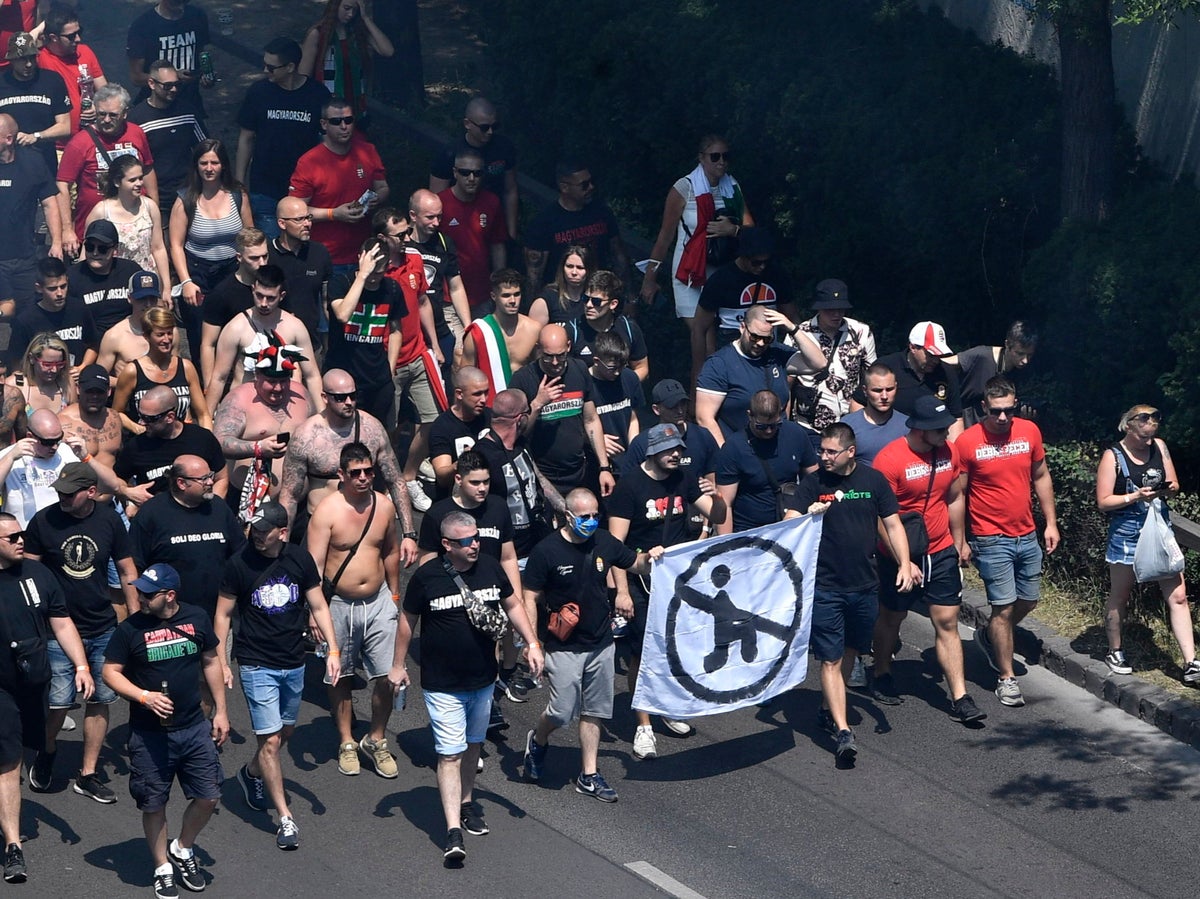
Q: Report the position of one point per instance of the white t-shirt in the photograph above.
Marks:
(29, 485)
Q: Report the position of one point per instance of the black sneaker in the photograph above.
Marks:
(164, 886)
(964, 709)
(91, 786)
(41, 772)
(190, 874)
(253, 788)
(288, 835)
(455, 851)
(883, 690)
(846, 750)
(535, 758)
(596, 786)
(472, 819)
(14, 864)
(826, 723)
(496, 722)
(517, 689)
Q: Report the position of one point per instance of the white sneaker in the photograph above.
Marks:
(479, 766)
(679, 728)
(416, 493)
(69, 723)
(425, 471)
(644, 744)
(858, 674)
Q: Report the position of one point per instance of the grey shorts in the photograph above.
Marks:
(581, 683)
(365, 630)
(412, 380)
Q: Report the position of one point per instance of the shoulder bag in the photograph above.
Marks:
(914, 522)
(329, 586)
(484, 618)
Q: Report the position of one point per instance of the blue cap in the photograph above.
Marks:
(159, 576)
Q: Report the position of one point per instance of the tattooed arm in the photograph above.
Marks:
(295, 472)
(12, 415)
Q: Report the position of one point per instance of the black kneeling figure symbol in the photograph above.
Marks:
(730, 624)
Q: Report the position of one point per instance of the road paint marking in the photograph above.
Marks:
(662, 880)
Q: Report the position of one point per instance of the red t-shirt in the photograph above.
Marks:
(69, 69)
(999, 478)
(81, 160)
(475, 228)
(908, 474)
(411, 278)
(329, 180)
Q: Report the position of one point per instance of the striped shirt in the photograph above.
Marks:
(212, 239)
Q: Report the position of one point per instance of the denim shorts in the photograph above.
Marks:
(841, 620)
(273, 695)
(62, 670)
(158, 757)
(458, 719)
(1124, 528)
(1011, 567)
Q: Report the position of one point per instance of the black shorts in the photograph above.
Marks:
(641, 609)
(942, 585)
(22, 724)
(158, 757)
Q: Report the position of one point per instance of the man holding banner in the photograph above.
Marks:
(854, 499)
(649, 506)
(568, 569)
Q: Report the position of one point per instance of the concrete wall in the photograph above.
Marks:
(1157, 72)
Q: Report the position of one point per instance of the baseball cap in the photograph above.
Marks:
(930, 414)
(269, 515)
(143, 285)
(102, 230)
(661, 438)
(931, 337)
(94, 377)
(21, 44)
(668, 392)
(159, 576)
(75, 476)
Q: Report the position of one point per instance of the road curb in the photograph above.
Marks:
(1039, 645)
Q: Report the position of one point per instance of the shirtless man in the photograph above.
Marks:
(124, 341)
(352, 538)
(90, 424)
(254, 423)
(313, 452)
(247, 333)
(504, 333)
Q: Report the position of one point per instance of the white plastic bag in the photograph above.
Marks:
(1157, 554)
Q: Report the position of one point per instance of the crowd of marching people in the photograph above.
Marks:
(263, 401)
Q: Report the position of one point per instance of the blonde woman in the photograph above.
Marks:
(160, 366)
(45, 376)
(1132, 473)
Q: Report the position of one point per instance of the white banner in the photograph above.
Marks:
(729, 620)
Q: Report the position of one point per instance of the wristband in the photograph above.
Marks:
(334, 652)
(329, 214)
(82, 668)
(396, 598)
(186, 281)
(142, 698)
(534, 643)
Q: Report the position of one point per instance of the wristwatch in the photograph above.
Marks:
(410, 535)
(607, 468)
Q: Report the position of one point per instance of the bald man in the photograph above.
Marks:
(26, 185)
(455, 430)
(306, 266)
(30, 466)
(562, 419)
(450, 316)
(480, 127)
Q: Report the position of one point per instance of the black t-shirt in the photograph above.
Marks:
(34, 104)
(152, 37)
(491, 517)
(273, 614)
(72, 323)
(195, 542)
(286, 125)
(77, 550)
(455, 655)
(106, 296)
(729, 291)
(554, 229)
(582, 335)
(306, 272)
(360, 345)
(643, 501)
(227, 300)
(450, 436)
(617, 402)
(558, 441)
(787, 455)
(151, 650)
(499, 156)
(146, 458)
(31, 596)
(171, 133)
(846, 556)
(24, 184)
(576, 572)
(441, 264)
(941, 383)
(515, 481)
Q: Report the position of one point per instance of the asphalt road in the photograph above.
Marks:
(1067, 797)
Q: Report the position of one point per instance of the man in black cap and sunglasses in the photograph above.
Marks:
(101, 278)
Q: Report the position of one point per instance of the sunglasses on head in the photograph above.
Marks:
(341, 120)
(464, 542)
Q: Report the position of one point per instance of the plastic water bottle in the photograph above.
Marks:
(169, 719)
(87, 87)
(400, 699)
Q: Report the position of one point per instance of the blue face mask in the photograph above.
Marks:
(584, 527)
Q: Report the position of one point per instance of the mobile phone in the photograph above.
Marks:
(284, 437)
(367, 196)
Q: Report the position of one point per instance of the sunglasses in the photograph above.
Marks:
(202, 478)
(154, 419)
(354, 473)
(1143, 417)
(464, 542)
(831, 454)
(583, 185)
(997, 411)
(469, 173)
(766, 425)
(299, 218)
(15, 536)
(343, 397)
(403, 235)
(53, 366)
(98, 248)
(341, 120)
(589, 516)
(486, 128)
(272, 69)
(758, 338)
(595, 301)
(73, 38)
(166, 85)
(719, 157)
(49, 442)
